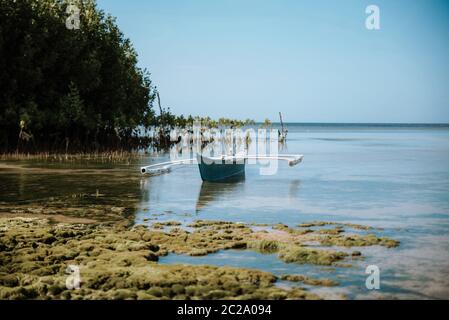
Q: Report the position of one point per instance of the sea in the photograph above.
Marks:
(390, 176)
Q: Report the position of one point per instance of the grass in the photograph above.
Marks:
(72, 157)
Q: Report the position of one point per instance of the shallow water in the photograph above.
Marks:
(394, 177)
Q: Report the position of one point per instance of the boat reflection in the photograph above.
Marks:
(294, 187)
(217, 191)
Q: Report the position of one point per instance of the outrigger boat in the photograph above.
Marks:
(221, 168)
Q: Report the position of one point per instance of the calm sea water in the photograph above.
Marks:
(395, 177)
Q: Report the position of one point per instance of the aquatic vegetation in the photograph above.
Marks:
(283, 227)
(309, 281)
(265, 246)
(336, 236)
(216, 224)
(359, 241)
(119, 261)
(333, 231)
(200, 242)
(59, 212)
(304, 255)
(116, 262)
(291, 253)
(326, 223)
(163, 224)
(290, 244)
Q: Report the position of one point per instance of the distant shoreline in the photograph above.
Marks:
(364, 124)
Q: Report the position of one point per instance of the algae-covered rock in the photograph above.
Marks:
(304, 255)
(163, 224)
(9, 280)
(58, 211)
(291, 253)
(283, 227)
(359, 241)
(120, 263)
(264, 246)
(309, 281)
(326, 223)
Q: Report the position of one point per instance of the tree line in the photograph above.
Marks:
(61, 88)
(74, 89)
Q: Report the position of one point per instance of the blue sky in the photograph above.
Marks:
(313, 60)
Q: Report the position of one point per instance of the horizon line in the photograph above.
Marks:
(364, 123)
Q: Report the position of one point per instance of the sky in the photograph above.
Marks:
(315, 60)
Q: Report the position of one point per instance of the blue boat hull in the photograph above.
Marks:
(221, 171)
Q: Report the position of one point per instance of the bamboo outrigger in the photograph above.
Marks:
(221, 168)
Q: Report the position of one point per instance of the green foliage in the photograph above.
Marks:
(72, 108)
(182, 122)
(81, 86)
(267, 123)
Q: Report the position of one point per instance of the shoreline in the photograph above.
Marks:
(118, 155)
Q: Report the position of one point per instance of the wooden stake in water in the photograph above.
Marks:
(284, 131)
